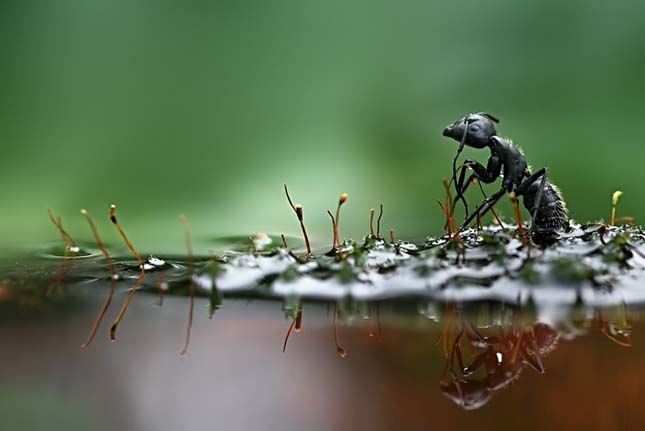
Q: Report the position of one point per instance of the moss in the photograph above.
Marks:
(593, 254)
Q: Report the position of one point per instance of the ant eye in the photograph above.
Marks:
(474, 128)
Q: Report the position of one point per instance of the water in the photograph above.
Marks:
(393, 336)
(236, 376)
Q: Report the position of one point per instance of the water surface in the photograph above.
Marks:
(236, 376)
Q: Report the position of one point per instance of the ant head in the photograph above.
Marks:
(468, 394)
(474, 130)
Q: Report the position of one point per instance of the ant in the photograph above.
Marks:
(541, 198)
(501, 358)
(498, 360)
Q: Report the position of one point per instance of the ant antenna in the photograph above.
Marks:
(298, 210)
(454, 161)
(113, 279)
(372, 221)
(137, 283)
(191, 270)
(451, 203)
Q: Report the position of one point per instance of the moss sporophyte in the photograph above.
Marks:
(507, 262)
(596, 257)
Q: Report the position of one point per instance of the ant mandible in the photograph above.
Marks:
(541, 198)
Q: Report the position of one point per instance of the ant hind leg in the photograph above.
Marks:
(523, 188)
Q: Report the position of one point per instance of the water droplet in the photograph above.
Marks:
(156, 261)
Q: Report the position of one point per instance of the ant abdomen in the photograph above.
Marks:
(551, 217)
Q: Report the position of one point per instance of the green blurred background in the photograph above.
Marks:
(207, 108)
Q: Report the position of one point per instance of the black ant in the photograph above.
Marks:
(541, 198)
(502, 359)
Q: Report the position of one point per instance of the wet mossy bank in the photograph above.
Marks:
(594, 263)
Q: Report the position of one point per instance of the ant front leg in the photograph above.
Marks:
(487, 175)
(461, 186)
(483, 208)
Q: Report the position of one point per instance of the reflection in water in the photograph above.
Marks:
(487, 347)
(137, 284)
(69, 251)
(341, 352)
(498, 319)
(377, 270)
(500, 358)
(482, 355)
(499, 355)
(113, 278)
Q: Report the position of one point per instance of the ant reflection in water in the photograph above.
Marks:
(498, 360)
(501, 358)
